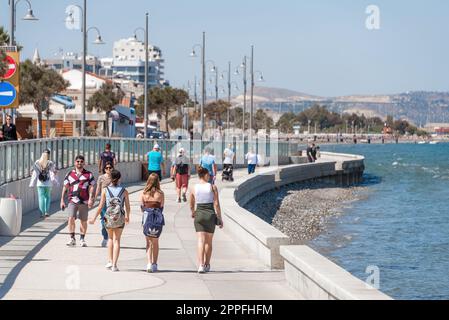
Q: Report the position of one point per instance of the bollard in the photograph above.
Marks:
(10, 217)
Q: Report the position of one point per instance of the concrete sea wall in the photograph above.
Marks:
(310, 273)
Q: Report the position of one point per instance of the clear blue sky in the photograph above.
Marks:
(319, 47)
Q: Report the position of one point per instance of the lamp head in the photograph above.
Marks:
(99, 40)
(30, 16)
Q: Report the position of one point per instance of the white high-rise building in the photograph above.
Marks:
(128, 62)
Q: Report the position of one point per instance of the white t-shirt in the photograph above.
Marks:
(251, 157)
(229, 156)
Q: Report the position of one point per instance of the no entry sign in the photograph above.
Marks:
(12, 67)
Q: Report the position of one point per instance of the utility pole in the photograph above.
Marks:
(146, 76)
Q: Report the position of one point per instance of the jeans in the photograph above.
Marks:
(104, 232)
(251, 168)
(44, 195)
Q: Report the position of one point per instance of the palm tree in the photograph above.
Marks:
(104, 100)
(37, 85)
(4, 37)
(3, 64)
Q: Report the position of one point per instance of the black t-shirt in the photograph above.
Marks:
(107, 157)
(9, 132)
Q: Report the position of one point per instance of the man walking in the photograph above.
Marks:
(252, 161)
(106, 156)
(181, 174)
(79, 183)
(228, 163)
(156, 162)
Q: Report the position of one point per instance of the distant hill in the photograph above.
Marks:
(419, 107)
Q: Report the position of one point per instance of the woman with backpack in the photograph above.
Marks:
(44, 177)
(205, 207)
(152, 205)
(116, 199)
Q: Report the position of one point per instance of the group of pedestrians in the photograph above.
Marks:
(81, 190)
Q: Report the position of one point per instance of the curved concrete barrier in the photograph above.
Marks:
(313, 275)
(10, 217)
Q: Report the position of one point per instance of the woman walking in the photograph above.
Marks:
(44, 176)
(118, 209)
(205, 207)
(103, 182)
(152, 205)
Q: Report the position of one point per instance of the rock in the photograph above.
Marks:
(302, 210)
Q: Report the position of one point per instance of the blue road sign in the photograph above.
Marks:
(8, 94)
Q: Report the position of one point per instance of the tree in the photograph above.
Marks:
(163, 101)
(104, 100)
(37, 86)
(217, 110)
(3, 64)
(4, 39)
(286, 122)
(262, 121)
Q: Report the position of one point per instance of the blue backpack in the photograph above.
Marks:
(153, 222)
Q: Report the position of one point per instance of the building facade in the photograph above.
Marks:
(129, 62)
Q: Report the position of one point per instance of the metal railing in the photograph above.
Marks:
(17, 158)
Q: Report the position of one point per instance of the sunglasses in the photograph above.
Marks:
(108, 168)
(79, 161)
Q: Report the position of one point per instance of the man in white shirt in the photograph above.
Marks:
(252, 161)
(228, 163)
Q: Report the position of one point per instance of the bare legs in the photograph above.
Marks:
(114, 245)
(152, 250)
(204, 250)
(71, 225)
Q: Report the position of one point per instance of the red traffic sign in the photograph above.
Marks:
(12, 67)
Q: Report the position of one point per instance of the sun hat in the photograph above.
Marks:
(156, 147)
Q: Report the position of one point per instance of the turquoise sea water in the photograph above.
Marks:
(402, 223)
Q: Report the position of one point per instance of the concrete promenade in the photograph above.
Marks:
(38, 265)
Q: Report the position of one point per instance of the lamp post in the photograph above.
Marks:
(229, 93)
(98, 41)
(12, 41)
(29, 17)
(243, 66)
(145, 107)
(203, 78)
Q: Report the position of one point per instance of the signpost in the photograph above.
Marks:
(10, 82)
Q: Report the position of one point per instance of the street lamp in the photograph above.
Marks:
(203, 78)
(214, 70)
(237, 72)
(145, 108)
(251, 116)
(28, 17)
(97, 41)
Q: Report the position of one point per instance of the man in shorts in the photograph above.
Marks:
(181, 174)
(80, 185)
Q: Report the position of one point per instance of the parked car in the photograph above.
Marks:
(158, 135)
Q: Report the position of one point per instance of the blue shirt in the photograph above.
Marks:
(154, 161)
(207, 162)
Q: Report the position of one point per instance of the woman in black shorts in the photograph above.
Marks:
(205, 207)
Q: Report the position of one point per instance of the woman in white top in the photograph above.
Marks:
(44, 177)
(205, 207)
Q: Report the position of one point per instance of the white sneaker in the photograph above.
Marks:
(115, 269)
(201, 269)
(83, 243)
(71, 243)
(108, 265)
(207, 268)
(154, 267)
(104, 243)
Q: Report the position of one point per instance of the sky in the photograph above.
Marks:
(319, 47)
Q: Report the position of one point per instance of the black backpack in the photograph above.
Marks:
(44, 175)
(182, 168)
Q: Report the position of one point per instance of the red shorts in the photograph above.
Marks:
(182, 181)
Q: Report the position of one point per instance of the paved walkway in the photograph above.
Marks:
(38, 265)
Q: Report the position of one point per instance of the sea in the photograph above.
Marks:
(396, 237)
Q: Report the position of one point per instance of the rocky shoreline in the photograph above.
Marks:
(301, 210)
